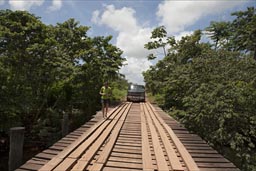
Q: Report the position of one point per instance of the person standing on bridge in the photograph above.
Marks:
(105, 93)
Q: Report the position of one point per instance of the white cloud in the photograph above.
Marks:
(132, 43)
(121, 20)
(131, 39)
(1, 2)
(183, 34)
(177, 15)
(23, 4)
(134, 69)
(56, 5)
(95, 17)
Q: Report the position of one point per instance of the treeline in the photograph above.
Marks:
(211, 87)
(47, 70)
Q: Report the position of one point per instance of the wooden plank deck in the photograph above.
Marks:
(206, 158)
(136, 136)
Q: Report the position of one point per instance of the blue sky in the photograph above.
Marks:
(131, 21)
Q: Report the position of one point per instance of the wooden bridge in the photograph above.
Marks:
(135, 136)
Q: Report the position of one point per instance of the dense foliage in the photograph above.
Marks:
(47, 70)
(211, 88)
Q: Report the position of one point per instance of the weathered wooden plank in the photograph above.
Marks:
(129, 139)
(19, 169)
(161, 162)
(188, 160)
(173, 158)
(49, 151)
(199, 148)
(138, 137)
(216, 165)
(64, 142)
(202, 151)
(125, 159)
(99, 163)
(66, 165)
(54, 147)
(138, 143)
(124, 165)
(146, 157)
(128, 144)
(45, 156)
(31, 166)
(130, 147)
(61, 144)
(72, 136)
(121, 150)
(128, 155)
(119, 169)
(194, 155)
(211, 160)
(86, 158)
(59, 158)
(37, 161)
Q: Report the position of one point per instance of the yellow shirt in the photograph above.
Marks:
(106, 92)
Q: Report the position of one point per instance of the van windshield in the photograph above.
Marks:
(136, 88)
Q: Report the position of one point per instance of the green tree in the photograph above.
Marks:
(29, 56)
(220, 33)
(212, 91)
(47, 70)
(160, 40)
(244, 30)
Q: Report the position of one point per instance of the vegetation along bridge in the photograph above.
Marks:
(136, 136)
